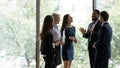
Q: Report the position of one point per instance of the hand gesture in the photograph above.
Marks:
(83, 31)
(94, 46)
(73, 39)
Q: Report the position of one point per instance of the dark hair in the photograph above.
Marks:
(47, 25)
(97, 11)
(64, 22)
(104, 15)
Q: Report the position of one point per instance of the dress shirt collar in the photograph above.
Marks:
(103, 23)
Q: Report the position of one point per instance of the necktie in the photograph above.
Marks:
(92, 29)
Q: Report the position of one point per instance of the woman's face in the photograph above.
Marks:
(70, 19)
(57, 19)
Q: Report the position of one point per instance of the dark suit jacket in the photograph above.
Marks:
(94, 35)
(103, 49)
(46, 46)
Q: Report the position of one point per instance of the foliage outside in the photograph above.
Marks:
(17, 30)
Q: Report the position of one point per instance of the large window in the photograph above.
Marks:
(81, 11)
(112, 7)
(17, 30)
(17, 33)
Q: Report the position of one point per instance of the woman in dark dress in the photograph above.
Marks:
(68, 48)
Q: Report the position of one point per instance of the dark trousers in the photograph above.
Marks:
(58, 55)
(101, 63)
(91, 57)
(49, 62)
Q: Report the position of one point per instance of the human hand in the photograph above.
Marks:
(57, 43)
(61, 43)
(39, 38)
(83, 31)
(94, 46)
(73, 39)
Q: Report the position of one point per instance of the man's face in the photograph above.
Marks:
(95, 16)
(101, 19)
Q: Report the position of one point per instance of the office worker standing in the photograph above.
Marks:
(102, 46)
(68, 46)
(47, 49)
(57, 39)
(91, 35)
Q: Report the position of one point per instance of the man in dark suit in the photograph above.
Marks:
(102, 46)
(91, 35)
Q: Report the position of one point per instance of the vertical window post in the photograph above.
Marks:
(37, 33)
(94, 4)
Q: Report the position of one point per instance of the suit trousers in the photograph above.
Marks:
(101, 63)
(91, 57)
(49, 62)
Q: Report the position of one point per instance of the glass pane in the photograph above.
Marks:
(81, 11)
(18, 26)
(112, 7)
(17, 33)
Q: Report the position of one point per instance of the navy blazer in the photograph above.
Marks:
(94, 35)
(103, 49)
